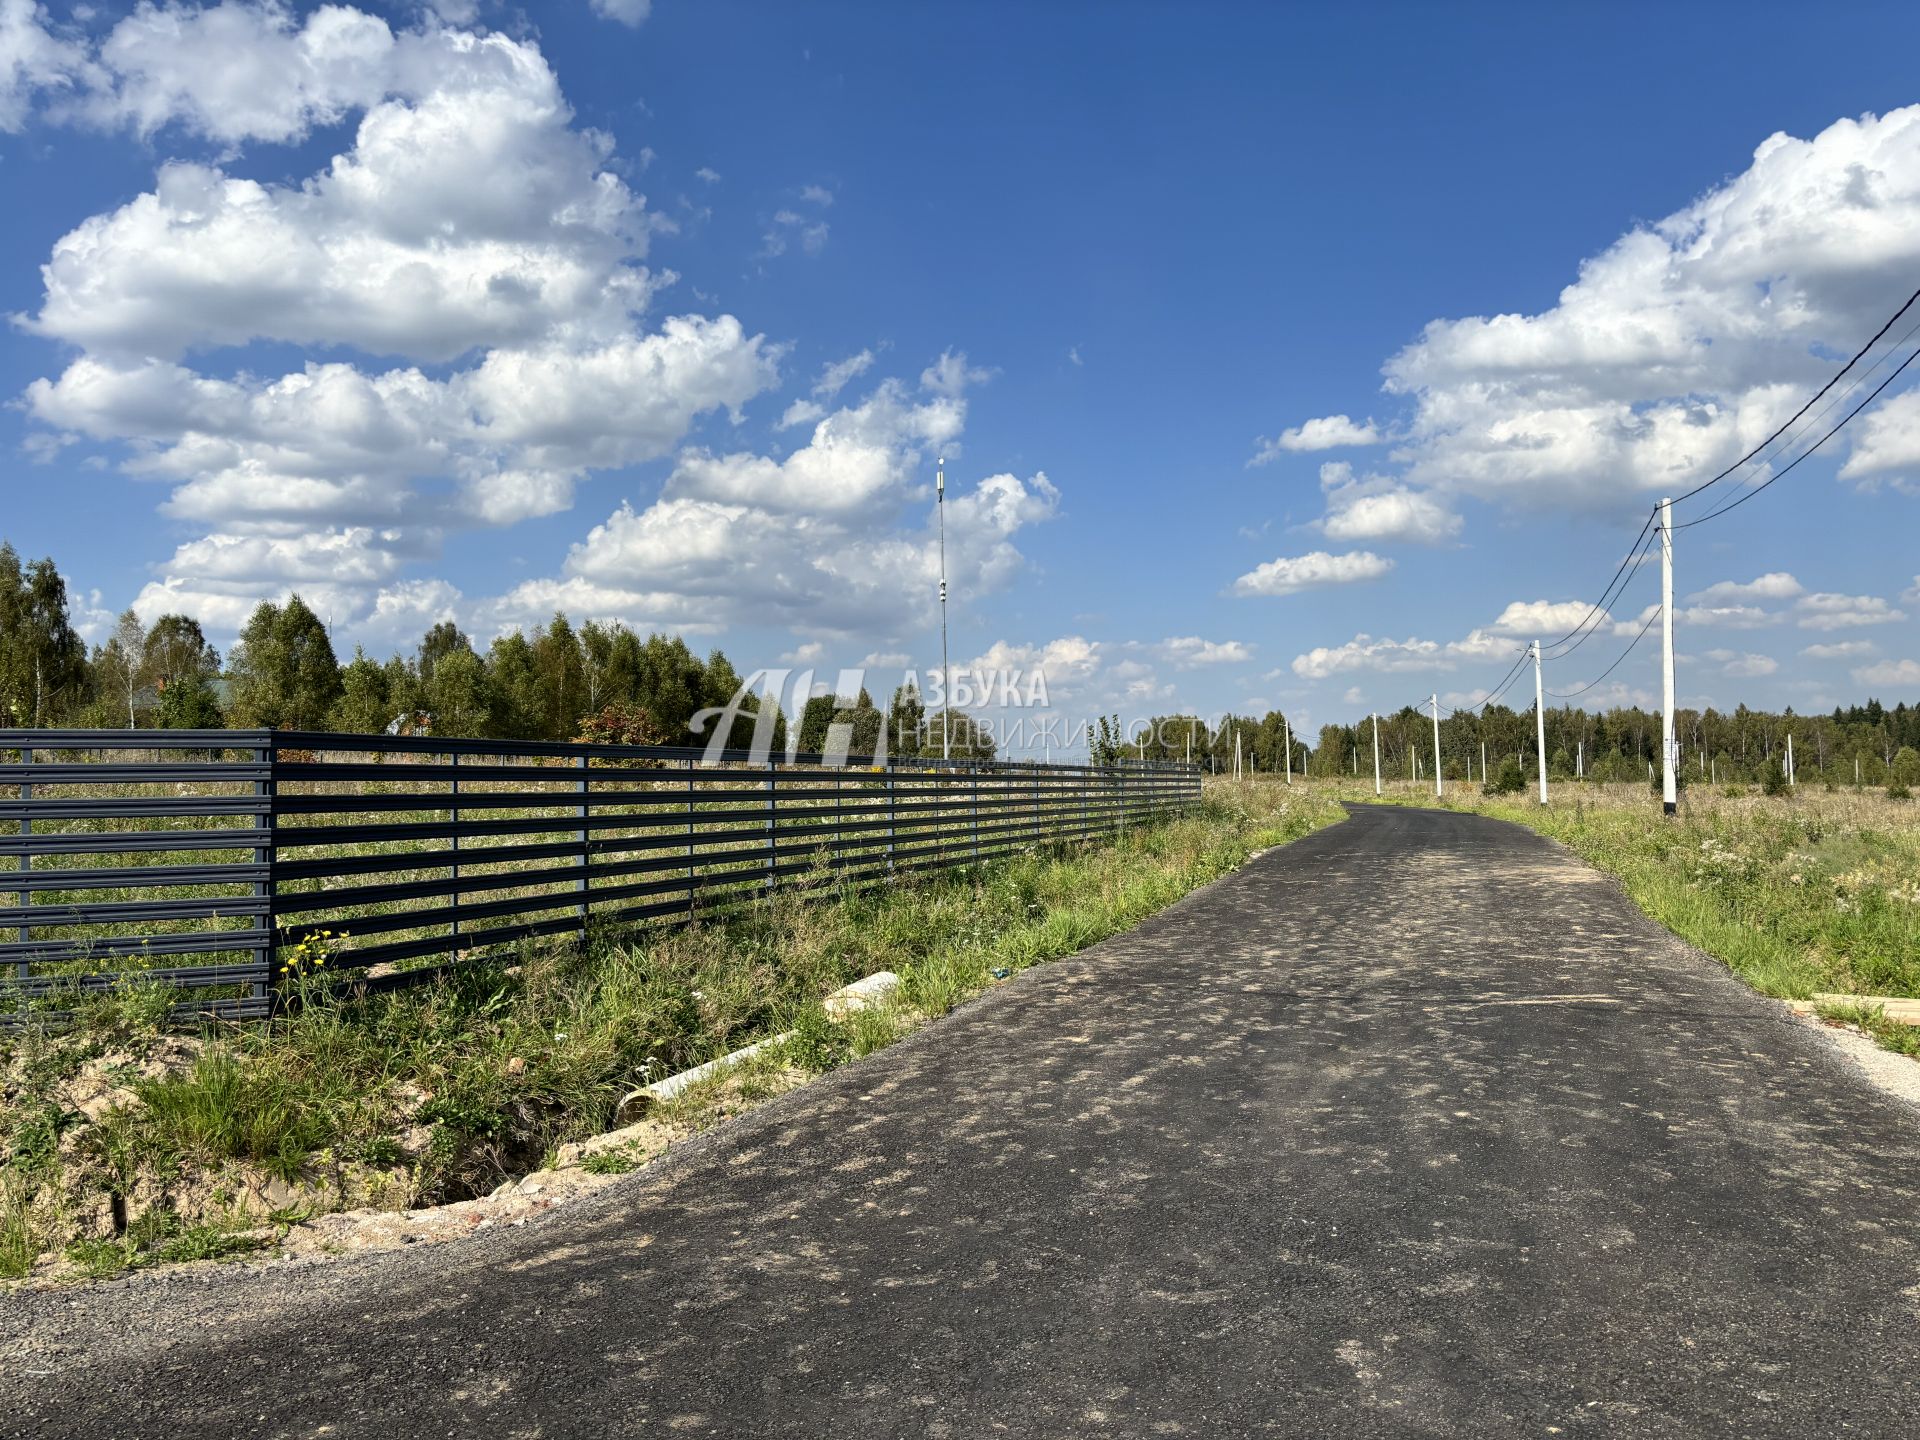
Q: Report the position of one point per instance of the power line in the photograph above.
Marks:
(1811, 402)
(1505, 681)
(1633, 551)
(1623, 578)
(1569, 694)
(1788, 468)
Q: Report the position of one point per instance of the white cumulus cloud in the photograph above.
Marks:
(1839, 650)
(33, 60)
(1845, 612)
(1775, 585)
(1189, 651)
(1288, 575)
(514, 307)
(1680, 346)
(1904, 674)
(627, 12)
(1325, 433)
(835, 538)
(1742, 665)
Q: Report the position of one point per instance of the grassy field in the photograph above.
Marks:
(122, 1144)
(1814, 892)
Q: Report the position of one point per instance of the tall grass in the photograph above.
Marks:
(1815, 891)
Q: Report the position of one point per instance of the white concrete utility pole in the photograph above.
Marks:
(1439, 781)
(1286, 730)
(1540, 720)
(1485, 778)
(1376, 754)
(1789, 757)
(1236, 754)
(1669, 775)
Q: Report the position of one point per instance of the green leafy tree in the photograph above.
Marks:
(189, 703)
(283, 670)
(442, 640)
(971, 738)
(561, 697)
(460, 695)
(720, 683)
(516, 687)
(906, 721)
(363, 707)
(43, 661)
(120, 666)
(177, 650)
(183, 667)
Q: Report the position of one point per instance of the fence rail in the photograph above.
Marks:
(197, 858)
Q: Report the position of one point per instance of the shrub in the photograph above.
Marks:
(1906, 766)
(1773, 779)
(1509, 780)
(1899, 791)
(620, 724)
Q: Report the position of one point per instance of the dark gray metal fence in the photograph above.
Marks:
(199, 858)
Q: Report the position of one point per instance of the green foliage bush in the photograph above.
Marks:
(1906, 766)
(1509, 779)
(1773, 778)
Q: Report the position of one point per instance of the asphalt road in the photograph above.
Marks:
(1415, 1127)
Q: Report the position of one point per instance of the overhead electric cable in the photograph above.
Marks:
(1599, 612)
(1569, 694)
(1787, 469)
(1633, 551)
(1811, 402)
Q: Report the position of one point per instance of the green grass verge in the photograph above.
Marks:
(1814, 892)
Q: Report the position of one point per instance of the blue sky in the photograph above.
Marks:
(664, 313)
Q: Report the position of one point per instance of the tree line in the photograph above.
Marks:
(595, 682)
(1868, 744)
(606, 683)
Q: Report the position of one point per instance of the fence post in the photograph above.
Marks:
(267, 755)
(580, 835)
(453, 896)
(773, 769)
(973, 767)
(889, 785)
(26, 860)
(691, 886)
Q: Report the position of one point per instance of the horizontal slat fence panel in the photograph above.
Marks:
(196, 859)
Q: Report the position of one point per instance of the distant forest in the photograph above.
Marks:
(606, 683)
(593, 682)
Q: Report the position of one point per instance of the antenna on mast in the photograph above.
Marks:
(946, 675)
